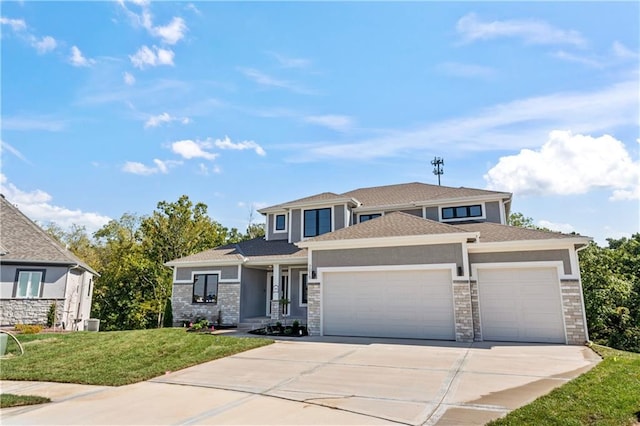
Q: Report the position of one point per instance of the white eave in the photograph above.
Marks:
(435, 203)
(408, 240)
(527, 245)
(304, 204)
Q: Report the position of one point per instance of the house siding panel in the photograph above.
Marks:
(338, 220)
(295, 310)
(414, 212)
(227, 272)
(253, 293)
(272, 236)
(54, 280)
(432, 213)
(492, 212)
(296, 225)
(524, 256)
(409, 255)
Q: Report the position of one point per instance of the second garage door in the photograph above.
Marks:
(521, 305)
(403, 304)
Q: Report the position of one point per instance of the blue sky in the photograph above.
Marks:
(111, 107)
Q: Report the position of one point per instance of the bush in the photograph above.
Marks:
(28, 328)
(51, 315)
(167, 320)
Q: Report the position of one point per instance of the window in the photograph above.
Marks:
(461, 212)
(281, 222)
(366, 217)
(29, 284)
(317, 222)
(205, 288)
(303, 288)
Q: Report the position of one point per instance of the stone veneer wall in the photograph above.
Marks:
(573, 313)
(462, 311)
(229, 302)
(313, 308)
(184, 310)
(27, 311)
(475, 309)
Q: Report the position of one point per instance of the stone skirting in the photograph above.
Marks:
(229, 303)
(28, 311)
(475, 311)
(226, 308)
(463, 311)
(313, 308)
(574, 323)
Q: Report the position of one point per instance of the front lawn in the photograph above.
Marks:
(608, 394)
(118, 357)
(10, 400)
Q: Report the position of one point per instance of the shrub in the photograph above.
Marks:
(51, 315)
(28, 328)
(167, 320)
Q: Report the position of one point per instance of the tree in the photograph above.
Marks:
(520, 220)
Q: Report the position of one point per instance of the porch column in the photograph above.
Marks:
(276, 313)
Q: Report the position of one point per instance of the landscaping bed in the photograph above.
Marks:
(278, 329)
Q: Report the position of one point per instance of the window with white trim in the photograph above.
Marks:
(205, 288)
(461, 212)
(366, 217)
(29, 284)
(303, 288)
(280, 223)
(317, 222)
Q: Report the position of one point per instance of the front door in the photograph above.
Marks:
(285, 291)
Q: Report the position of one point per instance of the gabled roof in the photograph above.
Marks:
(494, 232)
(22, 240)
(250, 250)
(395, 224)
(325, 197)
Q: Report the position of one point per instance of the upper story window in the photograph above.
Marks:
(29, 284)
(461, 212)
(280, 223)
(317, 222)
(366, 217)
(205, 288)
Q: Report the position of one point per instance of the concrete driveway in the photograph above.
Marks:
(324, 381)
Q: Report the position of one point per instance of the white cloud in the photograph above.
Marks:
(128, 78)
(152, 57)
(340, 123)
(530, 31)
(570, 57)
(78, 60)
(206, 171)
(37, 205)
(193, 149)
(568, 164)
(157, 120)
(559, 227)
(137, 168)
(171, 33)
(192, 7)
(465, 70)
(15, 24)
(33, 123)
(622, 51)
(4, 146)
(513, 125)
(266, 80)
(289, 62)
(45, 44)
(239, 146)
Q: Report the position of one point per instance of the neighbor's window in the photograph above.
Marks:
(205, 288)
(29, 284)
(303, 289)
(366, 217)
(461, 212)
(281, 222)
(317, 222)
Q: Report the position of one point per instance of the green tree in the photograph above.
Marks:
(520, 220)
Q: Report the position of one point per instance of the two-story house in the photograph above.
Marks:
(410, 261)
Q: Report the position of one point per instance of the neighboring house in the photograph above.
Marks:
(411, 260)
(36, 271)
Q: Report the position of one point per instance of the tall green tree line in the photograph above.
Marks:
(129, 254)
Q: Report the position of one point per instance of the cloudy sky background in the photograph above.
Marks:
(111, 107)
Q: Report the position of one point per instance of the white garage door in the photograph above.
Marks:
(404, 304)
(520, 305)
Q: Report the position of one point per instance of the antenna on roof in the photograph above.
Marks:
(438, 168)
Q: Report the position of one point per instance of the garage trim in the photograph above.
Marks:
(522, 265)
(442, 266)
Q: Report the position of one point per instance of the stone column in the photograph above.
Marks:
(313, 308)
(276, 308)
(462, 311)
(229, 303)
(572, 310)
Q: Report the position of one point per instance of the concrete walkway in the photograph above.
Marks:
(323, 381)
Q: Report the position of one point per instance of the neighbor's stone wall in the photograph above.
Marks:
(229, 302)
(28, 311)
(313, 308)
(184, 310)
(573, 312)
(475, 309)
(462, 311)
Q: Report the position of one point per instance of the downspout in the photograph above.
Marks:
(584, 310)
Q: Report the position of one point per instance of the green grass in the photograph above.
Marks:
(10, 400)
(118, 357)
(608, 394)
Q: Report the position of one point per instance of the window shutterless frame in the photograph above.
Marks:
(29, 283)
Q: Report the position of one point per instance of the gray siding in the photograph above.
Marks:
(227, 272)
(409, 255)
(295, 310)
(492, 211)
(296, 225)
(275, 235)
(253, 293)
(338, 220)
(55, 280)
(415, 212)
(524, 256)
(432, 213)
